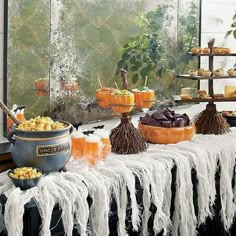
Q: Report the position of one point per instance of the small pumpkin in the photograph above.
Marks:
(122, 101)
(144, 97)
(103, 97)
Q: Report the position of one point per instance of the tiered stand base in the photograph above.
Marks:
(126, 139)
(210, 121)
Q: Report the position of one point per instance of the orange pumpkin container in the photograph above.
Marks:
(103, 97)
(144, 97)
(162, 135)
(122, 101)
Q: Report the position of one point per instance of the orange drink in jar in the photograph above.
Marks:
(78, 142)
(105, 142)
(92, 149)
(106, 147)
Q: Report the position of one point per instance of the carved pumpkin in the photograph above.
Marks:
(144, 98)
(103, 97)
(122, 101)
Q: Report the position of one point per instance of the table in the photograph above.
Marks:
(171, 188)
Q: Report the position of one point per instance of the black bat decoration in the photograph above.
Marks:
(87, 132)
(98, 127)
(77, 125)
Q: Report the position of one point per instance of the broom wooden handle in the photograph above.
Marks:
(124, 78)
(9, 113)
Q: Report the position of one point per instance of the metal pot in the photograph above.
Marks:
(47, 150)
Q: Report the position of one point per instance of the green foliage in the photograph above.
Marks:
(155, 53)
(233, 27)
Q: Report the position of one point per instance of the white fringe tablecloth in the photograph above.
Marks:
(111, 179)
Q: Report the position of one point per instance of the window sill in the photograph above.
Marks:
(190, 109)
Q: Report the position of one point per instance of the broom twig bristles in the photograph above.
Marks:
(126, 139)
(209, 121)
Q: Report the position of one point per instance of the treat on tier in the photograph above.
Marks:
(221, 50)
(196, 50)
(193, 73)
(231, 72)
(218, 72)
(206, 73)
(144, 97)
(203, 94)
(199, 71)
(206, 50)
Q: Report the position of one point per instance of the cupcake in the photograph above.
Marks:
(227, 50)
(192, 73)
(196, 50)
(217, 50)
(218, 72)
(199, 71)
(206, 73)
(206, 50)
(231, 72)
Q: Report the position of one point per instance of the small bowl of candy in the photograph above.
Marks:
(25, 177)
(166, 127)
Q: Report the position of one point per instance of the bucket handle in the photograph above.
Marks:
(10, 135)
(71, 129)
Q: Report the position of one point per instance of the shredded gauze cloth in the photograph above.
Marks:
(114, 177)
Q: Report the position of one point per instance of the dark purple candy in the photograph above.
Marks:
(167, 114)
(186, 119)
(146, 117)
(167, 124)
(159, 116)
(177, 115)
(166, 118)
(179, 122)
(148, 120)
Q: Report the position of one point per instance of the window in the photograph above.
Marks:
(58, 50)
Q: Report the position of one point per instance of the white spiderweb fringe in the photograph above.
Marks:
(5, 185)
(154, 179)
(113, 177)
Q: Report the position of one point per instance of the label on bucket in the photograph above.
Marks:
(52, 149)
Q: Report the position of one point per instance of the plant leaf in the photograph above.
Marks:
(234, 33)
(134, 78)
(228, 33)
